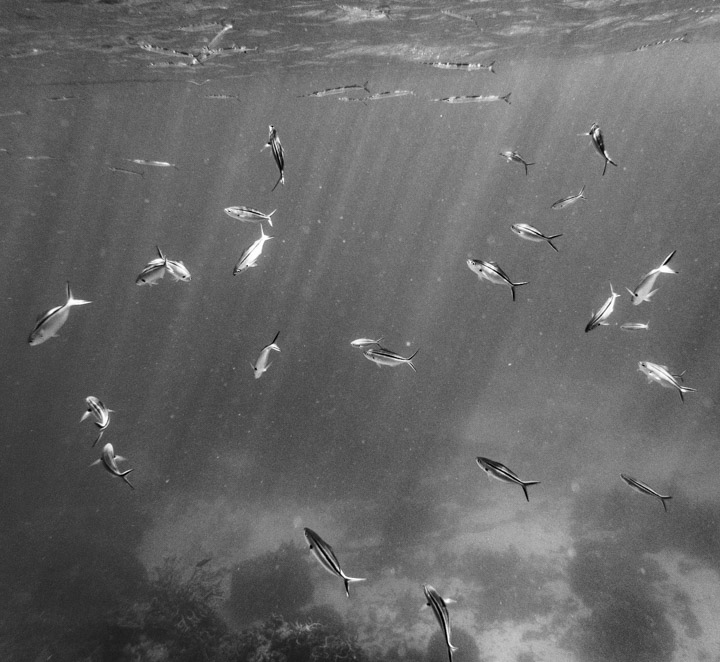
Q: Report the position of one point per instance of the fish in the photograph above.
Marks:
(644, 489)
(462, 17)
(153, 270)
(533, 234)
(492, 272)
(156, 164)
(249, 215)
(99, 412)
(226, 27)
(599, 318)
(109, 461)
(12, 113)
(599, 143)
(644, 289)
(661, 375)
(635, 326)
(337, 90)
(662, 42)
(325, 555)
(177, 271)
(501, 472)
(570, 199)
(126, 171)
(476, 98)
(390, 94)
(463, 66)
(278, 154)
(224, 97)
(261, 365)
(439, 608)
(161, 50)
(365, 342)
(382, 356)
(514, 156)
(251, 254)
(51, 321)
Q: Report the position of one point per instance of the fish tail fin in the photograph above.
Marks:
(410, 358)
(514, 285)
(582, 190)
(685, 389)
(684, 39)
(664, 499)
(98, 438)
(525, 484)
(549, 240)
(349, 580)
(365, 86)
(281, 180)
(71, 300)
(269, 216)
(124, 474)
(664, 268)
(506, 98)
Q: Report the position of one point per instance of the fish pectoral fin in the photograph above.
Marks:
(85, 415)
(92, 464)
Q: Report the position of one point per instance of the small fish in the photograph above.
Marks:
(337, 90)
(644, 289)
(325, 555)
(177, 271)
(161, 50)
(644, 489)
(12, 113)
(249, 215)
(662, 42)
(463, 66)
(533, 234)
(99, 412)
(599, 143)
(439, 608)
(278, 154)
(600, 317)
(501, 472)
(635, 326)
(126, 171)
(492, 272)
(153, 270)
(661, 375)
(109, 461)
(223, 97)
(514, 156)
(365, 342)
(251, 254)
(564, 202)
(390, 94)
(51, 321)
(382, 356)
(261, 365)
(156, 164)
(204, 562)
(476, 98)
(462, 17)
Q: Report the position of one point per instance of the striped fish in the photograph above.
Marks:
(249, 215)
(661, 375)
(250, 255)
(109, 461)
(51, 321)
(325, 555)
(439, 607)
(644, 489)
(599, 143)
(492, 272)
(533, 234)
(514, 156)
(278, 154)
(476, 98)
(570, 199)
(501, 472)
(644, 289)
(153, 270)
(99, 412)
(600, 317)
(662, 42)
(261, 365)
(382, 356)
(463, 66)
(178, 271)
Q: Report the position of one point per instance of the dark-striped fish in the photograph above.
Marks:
(570, 199)
(51, 321)
(514, 156)
(249, 215)
(533, 234)
(661, 375)
(100, 414)
(463, 66)
(662, 42)
(644, 489)
(278, 154)
(644, 289)
(154, 270)
(325, 555)
(109, 461)
(492, 272)
(177, 271)
(261, 365)
(501, 472)
(599, 318)
(250, 255)
(599, 142)
(439, 608)
(476, 98)
(337, 90)
(382, 356)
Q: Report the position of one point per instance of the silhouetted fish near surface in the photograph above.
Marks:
(661, 375)
(250, 255)
(644, 289)
(662, 42)
(570, 199)
(325, 555)
(501, 472)
(51, 321)
(439, 608)
(249, 215)
(599, 318)
(109, 461)
(533, 234)
(278, 154)
(644, 489)
(382, 356)
(599, 142)
(514, 156)
(476, 98)
(463, 66)
(99, 412)
(492, 272)
(261, 365)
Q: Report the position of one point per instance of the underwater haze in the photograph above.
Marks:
(367, 141)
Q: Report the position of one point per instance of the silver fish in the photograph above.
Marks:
(644, 489)
(635, 326)
(661, 375)
(501, 472)
(153, 270)
(278, 154)
(382, 356)
(325, 555)
(439, 608)
(250, 255)
(156, 164)
(337, 90)
(109, 461)
(599, 318)
(476, 98)
(644, 289)
(492, 272)
(599, 143)
(177, 271)
(390, 94)
(249, 215)
(514, 156)
(564, 202)
(261, 365)
(533, 234)
(51, 321)
(463, 66)
(365, 342)
(99, 412)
